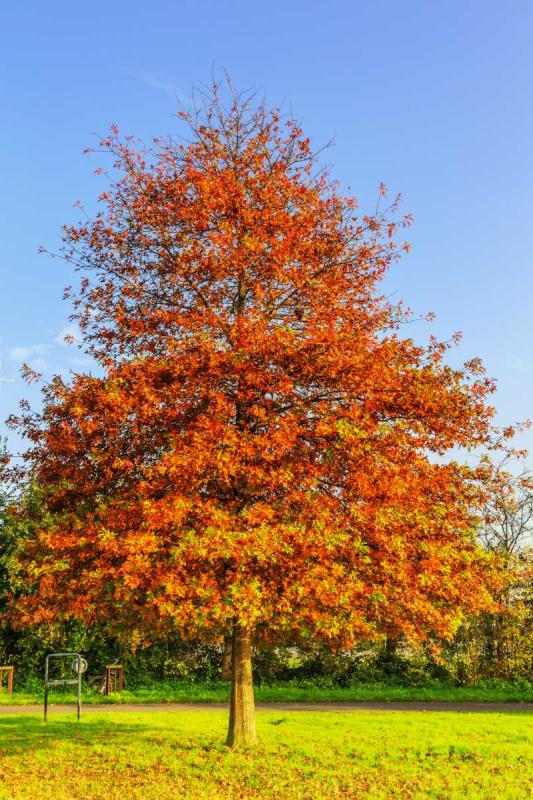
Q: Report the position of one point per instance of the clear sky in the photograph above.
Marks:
(433, 98)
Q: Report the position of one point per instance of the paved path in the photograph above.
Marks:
(364, 706)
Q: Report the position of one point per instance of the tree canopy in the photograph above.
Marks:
(262, 448)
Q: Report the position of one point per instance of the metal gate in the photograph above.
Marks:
(78, 666)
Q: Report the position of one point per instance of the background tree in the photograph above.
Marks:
(508, 516)
(5, 533)
(499, 644)
(263, 453)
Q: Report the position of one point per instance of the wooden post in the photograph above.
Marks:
(9, 672)
(114, 678)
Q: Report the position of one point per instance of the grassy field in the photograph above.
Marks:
(183, 692)
(180, 755)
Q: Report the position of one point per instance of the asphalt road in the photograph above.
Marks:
(501, 708)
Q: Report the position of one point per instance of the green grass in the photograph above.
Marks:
(183, 692)
(300, 756)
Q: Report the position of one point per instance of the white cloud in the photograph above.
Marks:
(21, 354)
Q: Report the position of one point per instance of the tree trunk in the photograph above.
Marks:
(225, 674)
(241, 729)
(391, 646)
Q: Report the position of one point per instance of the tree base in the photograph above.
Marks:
(241, 730)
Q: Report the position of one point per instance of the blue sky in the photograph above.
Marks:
(432, 98)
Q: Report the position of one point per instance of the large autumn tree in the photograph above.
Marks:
(262, 452)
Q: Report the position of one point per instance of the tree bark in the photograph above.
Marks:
(225, 674)
(241, 729)
(391, 646)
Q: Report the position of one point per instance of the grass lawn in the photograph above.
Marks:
(184, 692)
(301, 756)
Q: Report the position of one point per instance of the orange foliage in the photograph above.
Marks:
(262, 444)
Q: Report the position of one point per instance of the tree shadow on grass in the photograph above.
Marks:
(24, 734)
